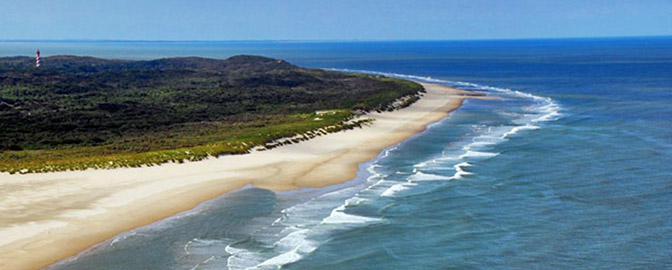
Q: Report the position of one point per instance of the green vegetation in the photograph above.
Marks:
(75, 113)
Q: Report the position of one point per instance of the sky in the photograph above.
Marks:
(331, 20)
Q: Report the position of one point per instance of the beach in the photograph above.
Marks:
(51, 216)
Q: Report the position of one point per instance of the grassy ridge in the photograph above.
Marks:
(80, 112)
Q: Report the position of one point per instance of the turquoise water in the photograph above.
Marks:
(570, 170)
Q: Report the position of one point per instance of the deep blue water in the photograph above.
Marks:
(572, 169)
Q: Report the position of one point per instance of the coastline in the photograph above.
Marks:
(51, 216)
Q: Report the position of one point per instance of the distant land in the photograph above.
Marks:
(75, 113)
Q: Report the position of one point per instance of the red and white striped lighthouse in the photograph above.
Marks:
(37, 58)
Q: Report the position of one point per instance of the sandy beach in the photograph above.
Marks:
(51, 216)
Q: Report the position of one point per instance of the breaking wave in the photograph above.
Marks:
(542, 109)
(305, 231)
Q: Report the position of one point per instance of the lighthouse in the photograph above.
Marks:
(37, 58)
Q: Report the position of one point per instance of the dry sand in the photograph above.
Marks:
(47, 217)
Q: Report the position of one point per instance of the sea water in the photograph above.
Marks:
(570, 169)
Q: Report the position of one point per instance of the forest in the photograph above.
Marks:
(84, 112)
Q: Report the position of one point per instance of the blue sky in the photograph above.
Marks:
(331, 20)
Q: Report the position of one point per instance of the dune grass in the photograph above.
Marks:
(219, 139)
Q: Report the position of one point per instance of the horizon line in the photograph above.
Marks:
(324, 40)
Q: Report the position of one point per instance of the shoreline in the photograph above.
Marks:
(47, 217)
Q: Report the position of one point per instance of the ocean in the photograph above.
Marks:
(570, 169)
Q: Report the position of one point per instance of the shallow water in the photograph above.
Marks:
(570, 170)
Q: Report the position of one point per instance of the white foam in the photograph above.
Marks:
(434, 163)
(122, 236)
(233, 251)
(282, 259)
(480, 142)
(306, 222)
(355, 201)
(423, 164)
(551, 116)
(463, 164)
(544, 109)
(205, 254)
(337, 216)
(391, 191)
(471, 154)
(515, 130)
(547, 107)
(297, 245)
(420, 176)
(241, 258)
(212, 262)
(303, 226)
(459, 172)
(387, 152)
